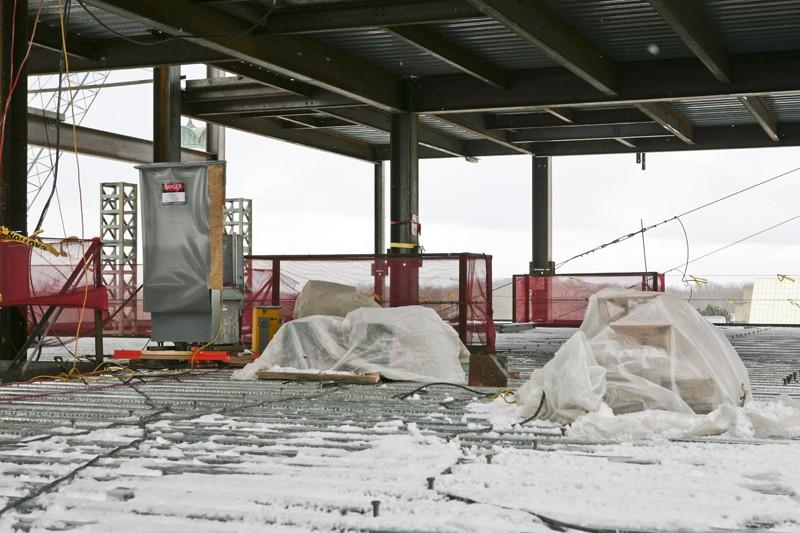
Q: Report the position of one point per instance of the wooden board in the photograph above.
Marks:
(216, 202)
(269, 375)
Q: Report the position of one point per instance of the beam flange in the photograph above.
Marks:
(669, 119)
(382, 122)
(477, 125)
(389, 13)
(634, 130)
(296, 57)
(763, 114)
(684, 20)
(578, 117)
(452, 54)
(269, 127)
(97, 143)
(49, 38)
(532, 21)
(649, 81)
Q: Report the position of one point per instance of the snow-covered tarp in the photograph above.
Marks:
(638, 351)
(403, 343)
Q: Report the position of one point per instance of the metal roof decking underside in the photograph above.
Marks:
(487, 77)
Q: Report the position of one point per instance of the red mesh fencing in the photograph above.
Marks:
(37, 279)
(561, 300)
(456, 286)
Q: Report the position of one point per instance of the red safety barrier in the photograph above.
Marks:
(457, 286)
(561, 299)
(37, 279)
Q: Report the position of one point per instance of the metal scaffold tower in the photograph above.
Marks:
(238, 220)
(118, 231)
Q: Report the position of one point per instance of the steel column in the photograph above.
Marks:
(404, 184)
(215, 135)
(166, 114)
(542, 217)
(13, 159)
(404, 232)
(380, 211)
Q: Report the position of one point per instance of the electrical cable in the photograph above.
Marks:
(54, 187)
(686, 263)
(625, 237)
(243, 33)
(535, 415)
(791, 219)
(418, 389)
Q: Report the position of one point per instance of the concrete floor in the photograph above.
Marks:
(196, 451)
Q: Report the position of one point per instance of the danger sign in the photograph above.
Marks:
(173, 193)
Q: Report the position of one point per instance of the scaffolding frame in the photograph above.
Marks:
(239, 220)
(119, 233)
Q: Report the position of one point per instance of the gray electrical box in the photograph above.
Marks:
(182, 220)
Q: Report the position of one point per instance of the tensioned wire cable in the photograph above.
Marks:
(627, 236)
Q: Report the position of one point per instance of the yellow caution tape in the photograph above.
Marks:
(405, 245)
(784, 277)
(698, 280)
(32, 241)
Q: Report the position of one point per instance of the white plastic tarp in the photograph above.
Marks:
(404, 343)
(637, 351)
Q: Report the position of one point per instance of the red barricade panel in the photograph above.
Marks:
(561, 300)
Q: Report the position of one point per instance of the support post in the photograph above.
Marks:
(215, 135)
(404, 184)
(380, 214)
(542, 217)
(166, 114)
(13, 159)
(405, 228)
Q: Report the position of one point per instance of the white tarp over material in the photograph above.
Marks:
(404, 343)
(330, 299)
(638, 351)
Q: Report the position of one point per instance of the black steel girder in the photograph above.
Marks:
(577, 116)
(633, 130)
(705, 138)
(296, 57)
(452, 54)
(98, 143)
(269, 127)
(115, 54)
(651, 81)
(376, 14)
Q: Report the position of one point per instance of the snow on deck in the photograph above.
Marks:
(198, 452)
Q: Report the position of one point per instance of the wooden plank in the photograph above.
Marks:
(363, 379)
(216, 202)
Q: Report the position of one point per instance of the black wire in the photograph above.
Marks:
(676, 217)
(248, 31)
(686, 265)
(53, 188)
(536, 414)
(418, 389)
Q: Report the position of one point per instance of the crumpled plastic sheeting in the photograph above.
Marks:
(638, 351)
(330, 299)
(403, 343)
(779, 418)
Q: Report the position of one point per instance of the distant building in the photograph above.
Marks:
(193, 136)
(775, 300)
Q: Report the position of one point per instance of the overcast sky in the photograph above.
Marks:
(307, 201)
